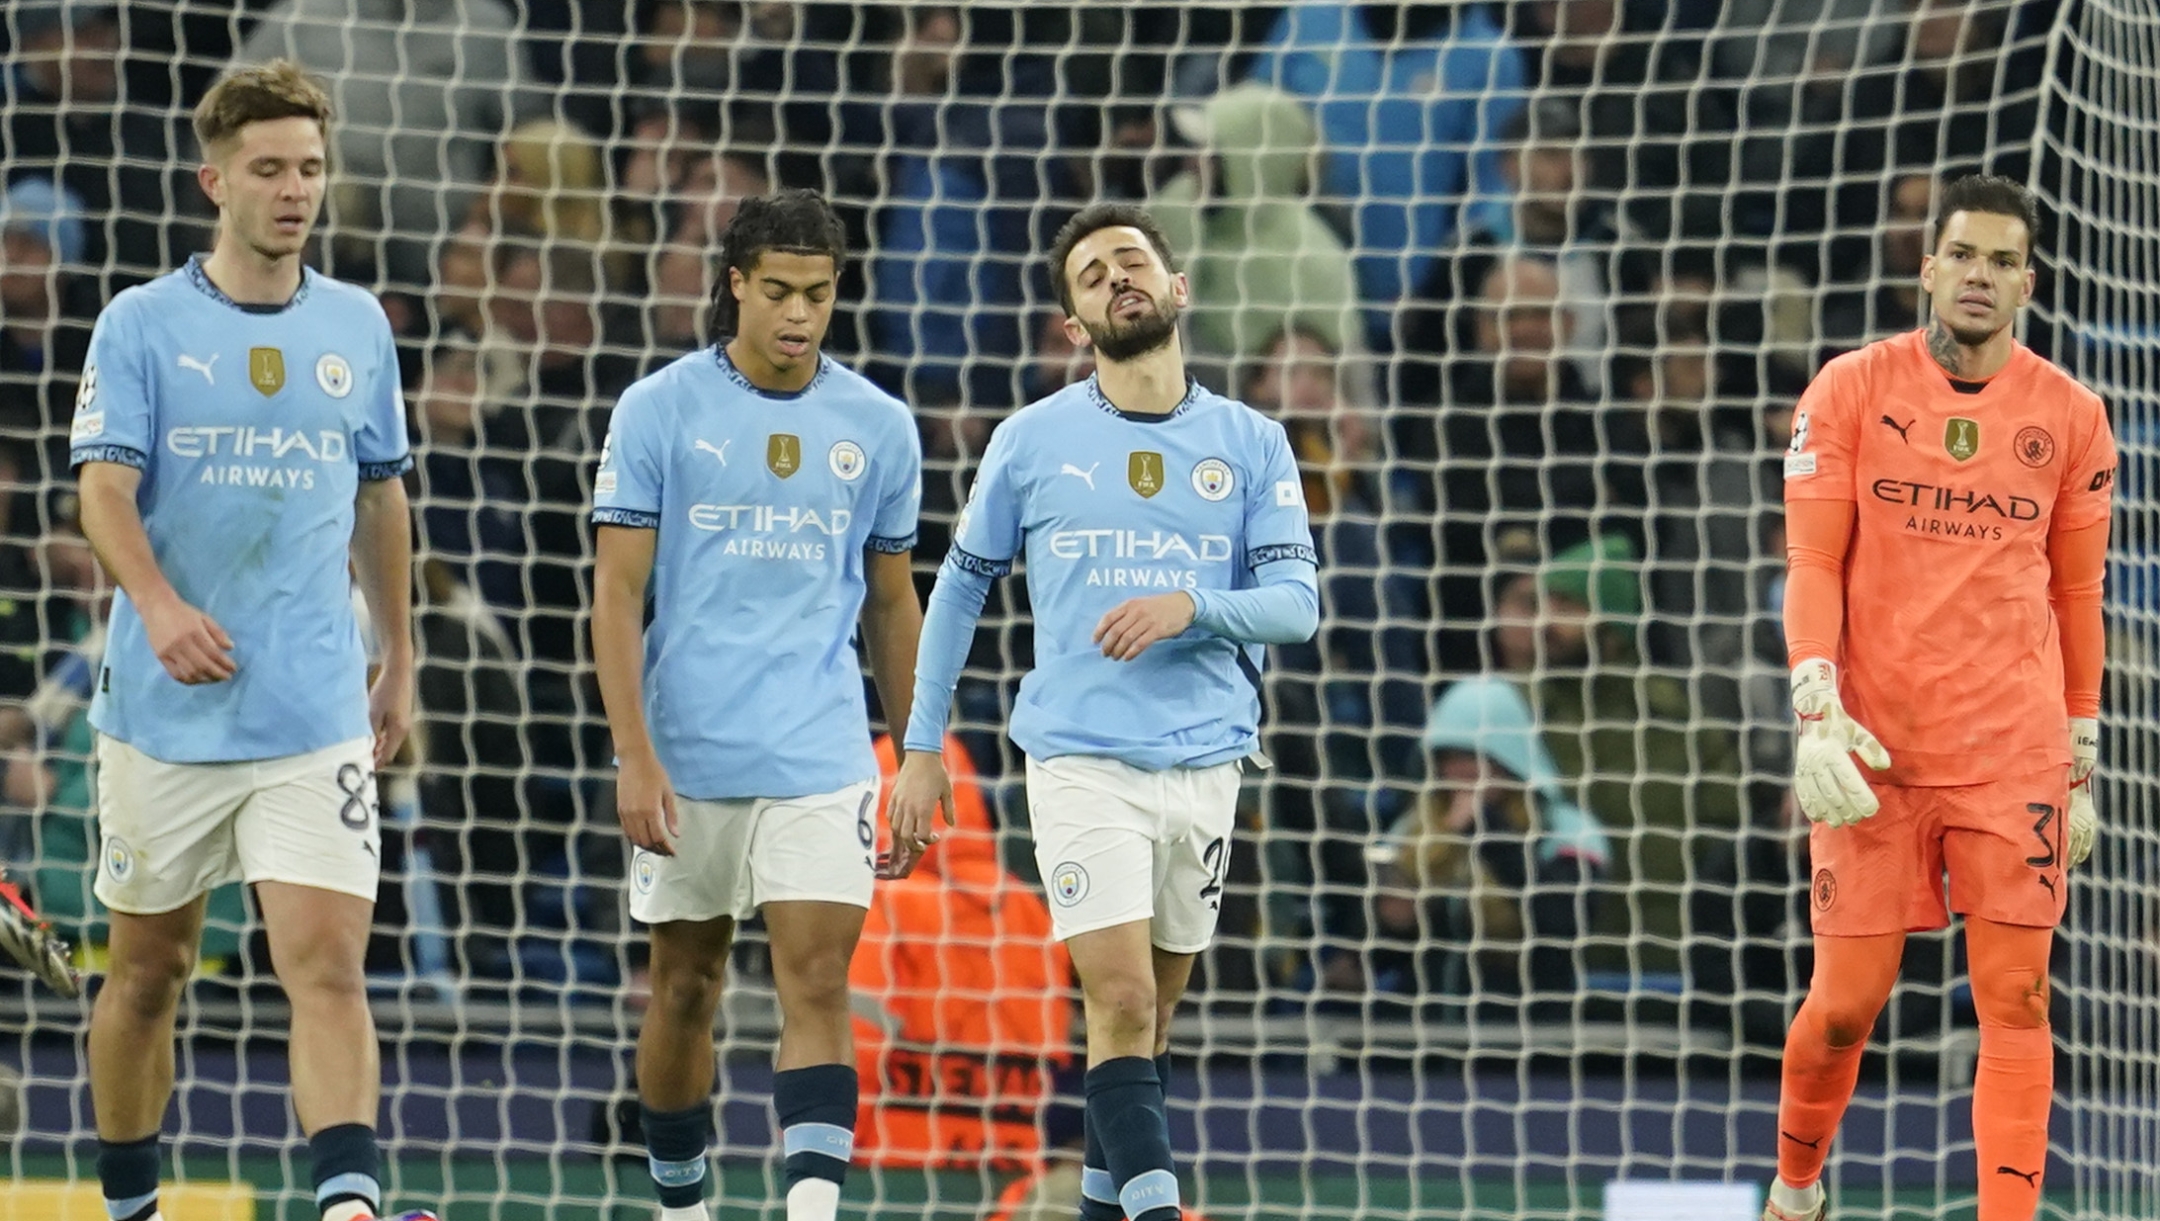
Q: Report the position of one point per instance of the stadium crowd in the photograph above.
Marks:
(1534, 285)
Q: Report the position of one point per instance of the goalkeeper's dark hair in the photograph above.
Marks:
(1095, 218)
(792, 222)
(1994, 195)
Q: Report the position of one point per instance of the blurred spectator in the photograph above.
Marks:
(711, 189)
(1491, 877)
(1350, 704)
(1641, 754)
(1546, 212)
(424, 94)
(468, 498)
(1058, 362)
(1880, 297)
(1260, 259)
(972, 1000)
(46, 311)
(969, 161)
(1659, 144)
(1411, 100)
(68, 119)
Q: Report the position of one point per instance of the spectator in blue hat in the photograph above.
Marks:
(1492, 876)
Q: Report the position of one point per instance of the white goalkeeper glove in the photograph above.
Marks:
(1826, 782)
(2084, 756)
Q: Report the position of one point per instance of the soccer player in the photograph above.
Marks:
(1947, 518)
(768, 497)
(240, 437)
(1166, 541)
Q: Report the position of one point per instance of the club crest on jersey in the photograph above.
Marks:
(783, 454)
(333, 375)
(266, 370)
(1144, 471)
(846, 460)
(1961, 438)
(1212, 479)
(1068, 884)
(2033, 446)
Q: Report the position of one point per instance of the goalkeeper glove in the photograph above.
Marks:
(2084, 756)
(1826, 782)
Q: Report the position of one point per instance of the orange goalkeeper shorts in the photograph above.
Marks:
(2001, 843)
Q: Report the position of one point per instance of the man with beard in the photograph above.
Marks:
(1166, 543)
(1946, 532)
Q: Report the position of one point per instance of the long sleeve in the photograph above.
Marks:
(1817, 535)
(1285, 609)
(948, 628)
(2078, 561)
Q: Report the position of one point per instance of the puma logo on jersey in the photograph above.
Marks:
(1087, 475)
(720, 453)
(1902, 430)
(189, 362)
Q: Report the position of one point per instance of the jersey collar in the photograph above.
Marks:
(201, 280)
(1192, 397)
(720, 357)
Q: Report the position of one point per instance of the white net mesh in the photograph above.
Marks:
(1535, 286)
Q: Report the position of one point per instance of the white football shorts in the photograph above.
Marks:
(737, 855)
(171, 831)
(1117, 844)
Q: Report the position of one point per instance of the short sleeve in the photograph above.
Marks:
(900, 494)
(1819, 463)
(381, 446)
(987, 536)
(2088, 479)
(113, 402)
(1276, 525)
(626, 491)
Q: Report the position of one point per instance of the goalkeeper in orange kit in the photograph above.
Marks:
(1947, 498)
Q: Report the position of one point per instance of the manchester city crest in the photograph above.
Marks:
(1068, 884)
(846, 460)
(1212, 479)
(333, 375)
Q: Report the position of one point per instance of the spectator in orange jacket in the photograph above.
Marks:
(971, 997)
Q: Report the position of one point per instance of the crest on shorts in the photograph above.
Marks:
(1961, 438)
(1068, 883)
(643, 872)
(783, 454)
(119, 860)
(1825, 889)
(1144, 471)
(266, 370)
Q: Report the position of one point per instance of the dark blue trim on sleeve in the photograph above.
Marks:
(125, 455)
(376, 472)
(968, 561)
(1281, 551)
(635, 518)
(889, 546)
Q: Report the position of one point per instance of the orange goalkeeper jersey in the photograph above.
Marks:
(1950, 650)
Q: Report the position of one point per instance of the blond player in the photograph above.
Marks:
(1947, 509)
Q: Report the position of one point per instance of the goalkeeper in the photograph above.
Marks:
(1947, 520)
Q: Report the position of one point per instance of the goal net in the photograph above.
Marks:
(1534, 287)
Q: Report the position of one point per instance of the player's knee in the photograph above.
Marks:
(687, 990)
(147, 982)
(2017, 998)
(1124, 1007)
(1844, 1023)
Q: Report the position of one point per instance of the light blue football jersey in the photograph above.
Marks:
(765, 503)
(1109, 506)
(253, 427)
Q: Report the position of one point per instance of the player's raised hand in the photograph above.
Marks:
(188, 643)
(390, 711)
(2084, 816)
(1826, 783)
(645, 804)
(921, 788)
(1134, 624)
